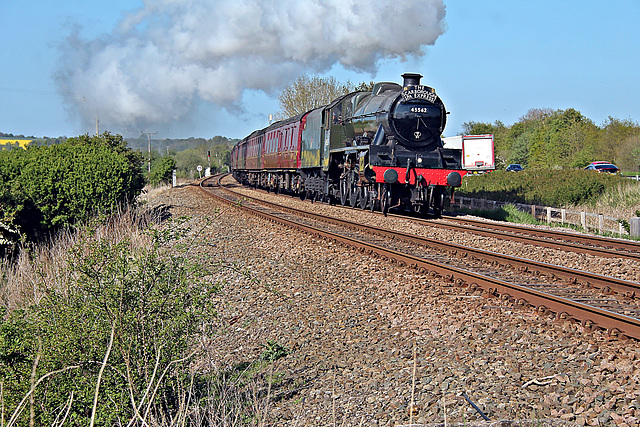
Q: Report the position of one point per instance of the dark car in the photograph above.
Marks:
(515, 168)
(602, 167)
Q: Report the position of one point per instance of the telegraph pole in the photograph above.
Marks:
(149, 139)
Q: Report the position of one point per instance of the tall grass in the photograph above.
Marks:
(622, 201)
(107, 324)
(608, 194)
(38, 268)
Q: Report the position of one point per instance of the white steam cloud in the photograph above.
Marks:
(172, 54)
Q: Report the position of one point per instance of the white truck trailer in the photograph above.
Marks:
(477, 151)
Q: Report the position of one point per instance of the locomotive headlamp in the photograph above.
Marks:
(419, 160)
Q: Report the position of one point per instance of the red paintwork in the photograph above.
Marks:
(274, 148)
(431, 176)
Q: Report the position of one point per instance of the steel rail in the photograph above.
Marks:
(605, 283)
(591, 317)
(610, 247)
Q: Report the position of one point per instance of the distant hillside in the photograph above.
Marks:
(162, 146)
(167, 145)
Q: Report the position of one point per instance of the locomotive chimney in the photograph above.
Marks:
(411, 79)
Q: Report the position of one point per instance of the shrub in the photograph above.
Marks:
(120, 327)
(49, 187)
(539, 187)
(162, 170)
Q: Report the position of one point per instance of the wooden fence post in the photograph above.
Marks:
(600, 223)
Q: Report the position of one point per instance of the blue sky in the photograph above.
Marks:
(494, 61)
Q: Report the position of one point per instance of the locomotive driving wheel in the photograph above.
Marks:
(344, 191)
(363, 199)
(354, 190)
(385, 199)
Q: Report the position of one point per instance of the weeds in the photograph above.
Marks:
(110, 340)
(106, 326)
(508, 213)
(273, 351)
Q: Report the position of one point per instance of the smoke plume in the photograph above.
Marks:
(169, 56)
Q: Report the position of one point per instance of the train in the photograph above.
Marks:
(380, 150)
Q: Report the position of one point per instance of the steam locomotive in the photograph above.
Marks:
(378, 150)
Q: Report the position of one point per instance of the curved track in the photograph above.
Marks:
(566, 241)
(596, 301)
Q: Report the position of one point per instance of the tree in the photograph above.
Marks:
(162, 170)
(618, 140)
(477, 128)
(628, 153)
(187, 160)
(567, 134)
(307, 93)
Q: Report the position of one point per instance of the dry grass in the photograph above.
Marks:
(230, 402)
(150, 192)
(47, 266)
(619, 202)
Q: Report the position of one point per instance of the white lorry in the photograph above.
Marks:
(477, 151)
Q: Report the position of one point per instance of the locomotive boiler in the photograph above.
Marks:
(377, 150)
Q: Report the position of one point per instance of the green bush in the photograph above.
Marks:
(539, 187)
(162, 170)
(49, 187)
(121, 325)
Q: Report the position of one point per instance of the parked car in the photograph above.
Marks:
(515, 168)
(602, 167)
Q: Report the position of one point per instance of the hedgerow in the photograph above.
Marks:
(540, 187)
(162, 170)
(49, 187)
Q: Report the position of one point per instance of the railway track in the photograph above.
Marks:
(596, 301)
(565, 241)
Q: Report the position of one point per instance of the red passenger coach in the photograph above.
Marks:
(282, 145)
(270, 156)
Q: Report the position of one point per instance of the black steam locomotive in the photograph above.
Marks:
(378, 150)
